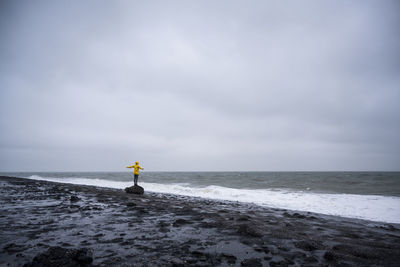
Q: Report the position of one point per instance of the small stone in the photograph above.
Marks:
(330, 256)
(74, 198)
(279, 264)
(247, 230)
(306, 245)
(243, 218)
(12, 248)
(180, 222)
(229, 258)
(299, 216)
(251, 263)
(311, 259)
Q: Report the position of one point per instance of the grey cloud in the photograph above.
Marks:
(207, 85)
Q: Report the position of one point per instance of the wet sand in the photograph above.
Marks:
(168, 230)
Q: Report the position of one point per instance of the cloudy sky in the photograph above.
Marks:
(199, 85)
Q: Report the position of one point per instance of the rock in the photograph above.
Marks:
(330, 256)
(264, 249)
(163, 223)
(307, 245)
(136, 189)
(58, 256)
(251, 263)
(12, 248)
(299, 216)
(74, 198)
(164, 230)
(197, 253)
(243, 218)
(388, 227)
(180, 222)
(248, 230)
(229, 258)
(278, 264)
(295, 215)
(310, 259)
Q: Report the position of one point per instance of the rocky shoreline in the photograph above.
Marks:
(116, 228)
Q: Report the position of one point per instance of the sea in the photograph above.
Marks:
(373, 196)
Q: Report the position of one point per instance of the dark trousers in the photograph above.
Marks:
(136, 178)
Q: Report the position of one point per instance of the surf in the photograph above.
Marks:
(367, 207)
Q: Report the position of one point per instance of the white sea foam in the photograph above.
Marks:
(369, 207)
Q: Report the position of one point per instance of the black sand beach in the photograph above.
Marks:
(115, 228)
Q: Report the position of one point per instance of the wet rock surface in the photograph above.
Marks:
(41, 220)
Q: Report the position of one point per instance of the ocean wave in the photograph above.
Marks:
(369, 207)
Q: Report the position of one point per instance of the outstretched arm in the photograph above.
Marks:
(130, 166)
(141, 168)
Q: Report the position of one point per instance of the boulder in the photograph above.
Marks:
(135, 189)
(58, 256)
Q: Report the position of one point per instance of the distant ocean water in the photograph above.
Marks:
(365, 195)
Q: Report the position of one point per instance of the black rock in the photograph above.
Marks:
(311, 259)
(136, 189)
(279, 264)
(299, 216)
(131, 204)
(248, 230)
(229, 258)
(58, 256)
(307, 245)
(243, 218)
(330, 256)
(12, 248)
(295, 215)
(180, 222)
(251, 263)
(74, 198)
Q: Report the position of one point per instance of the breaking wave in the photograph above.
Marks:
(368, 207)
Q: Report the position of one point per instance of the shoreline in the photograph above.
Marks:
(371, 207)
(168, 230)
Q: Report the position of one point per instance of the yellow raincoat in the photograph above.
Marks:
(136, 168)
